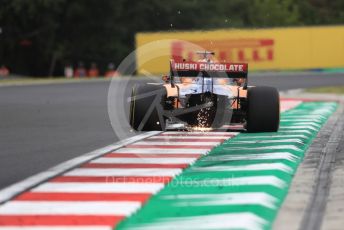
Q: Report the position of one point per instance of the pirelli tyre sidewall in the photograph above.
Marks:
(146, 107)
(263, 109)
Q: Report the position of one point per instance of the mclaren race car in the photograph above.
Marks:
(204, 94)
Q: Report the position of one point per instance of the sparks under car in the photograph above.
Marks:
(204, 94)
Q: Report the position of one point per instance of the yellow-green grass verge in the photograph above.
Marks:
(332, 90)
(34, 81)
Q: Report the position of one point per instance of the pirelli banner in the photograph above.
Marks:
(263, 49)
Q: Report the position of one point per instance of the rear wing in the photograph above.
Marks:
(216, 70)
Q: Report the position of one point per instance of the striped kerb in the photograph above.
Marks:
(185, 180)
(241, 183)
(101, 193)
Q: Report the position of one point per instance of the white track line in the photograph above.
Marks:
(142, 151)
(143, 160)
(17, 188)
(67, 227)
(175, 143)
(92, 172)
(111, 187)
(122, 208)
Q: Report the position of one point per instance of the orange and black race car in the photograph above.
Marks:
(204, 94)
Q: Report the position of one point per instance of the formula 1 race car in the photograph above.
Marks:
(204, 94)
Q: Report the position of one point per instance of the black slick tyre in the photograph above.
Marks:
(146, 107)
(263, 109)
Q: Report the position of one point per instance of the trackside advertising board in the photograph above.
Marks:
(263, 49)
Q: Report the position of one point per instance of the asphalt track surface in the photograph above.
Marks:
(44, 125)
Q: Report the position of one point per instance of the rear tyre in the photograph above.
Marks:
(263, 109)
(146, 107)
